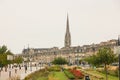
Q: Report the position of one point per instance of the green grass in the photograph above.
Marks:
(38, 75)
(42, 78)
(59, 75)
(96, 73)
(44, 75)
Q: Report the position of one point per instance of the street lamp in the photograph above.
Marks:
(9, 57)
(69, 60)
(77, 57)
(77, 60)
(119, 65)
(118, 47)
(25, 64)
(40, 63)
(30, 64)
(119, 54)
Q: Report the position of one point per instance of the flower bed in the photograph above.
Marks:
(77, 73)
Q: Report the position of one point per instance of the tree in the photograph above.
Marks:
(3, 56)
(3, 49)
(59, 61)
(104, 56)
(9, 52)
(18, 60)
(3, 60)
(92, 60)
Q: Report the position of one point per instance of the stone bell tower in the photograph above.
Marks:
(67, 35)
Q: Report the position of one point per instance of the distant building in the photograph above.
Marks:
(70, 53)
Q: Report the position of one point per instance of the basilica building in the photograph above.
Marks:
(70, 53)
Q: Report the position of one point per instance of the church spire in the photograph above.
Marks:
(67, 28)
(67, 35)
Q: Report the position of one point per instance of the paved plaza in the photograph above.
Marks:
(19, 73)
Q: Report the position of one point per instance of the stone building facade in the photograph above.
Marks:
(70, 53)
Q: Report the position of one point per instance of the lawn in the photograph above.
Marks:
(51, 73)
(96, 73)
(58, 75)
(38, 75)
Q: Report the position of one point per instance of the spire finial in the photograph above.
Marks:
(67, 28)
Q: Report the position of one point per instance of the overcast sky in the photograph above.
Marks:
(42, 23)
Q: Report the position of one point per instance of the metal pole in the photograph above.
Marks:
(9, 71)
(30, 65)
(119, 66)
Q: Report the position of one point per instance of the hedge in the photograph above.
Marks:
(69, 75)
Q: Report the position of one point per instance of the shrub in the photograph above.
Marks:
(79, 67)
(60, 61)
(54, 68)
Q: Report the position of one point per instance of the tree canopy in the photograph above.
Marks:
(18, 60)
(104, 56)
(60, 61)
(3, 55)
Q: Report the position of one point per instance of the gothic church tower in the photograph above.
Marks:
(67, 35)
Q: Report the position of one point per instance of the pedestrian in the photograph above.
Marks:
(25, 68)
(15, 69)
(19, 67)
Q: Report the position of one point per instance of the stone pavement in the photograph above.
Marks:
(20, 72)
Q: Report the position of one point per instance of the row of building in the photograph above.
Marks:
(70, 53)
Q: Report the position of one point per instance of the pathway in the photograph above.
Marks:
(20, 73)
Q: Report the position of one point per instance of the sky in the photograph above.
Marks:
(42, 23)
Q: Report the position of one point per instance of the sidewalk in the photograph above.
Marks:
(23, 75)
(20, 73)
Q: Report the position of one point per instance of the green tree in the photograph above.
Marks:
(59, 61)
(3, 49)
(9, 52)
(3, 60)
(3, 55)
(92, 60)
(18, 60)
(104, 56)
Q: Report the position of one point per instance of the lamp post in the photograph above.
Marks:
(69, 60)
(119, 65)
(118, 48)
(77, 60)
(25, 64)
(119, 60)
(78, 57)
(40, 63)
(9, 57)
(118, 51)
(30, 64)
